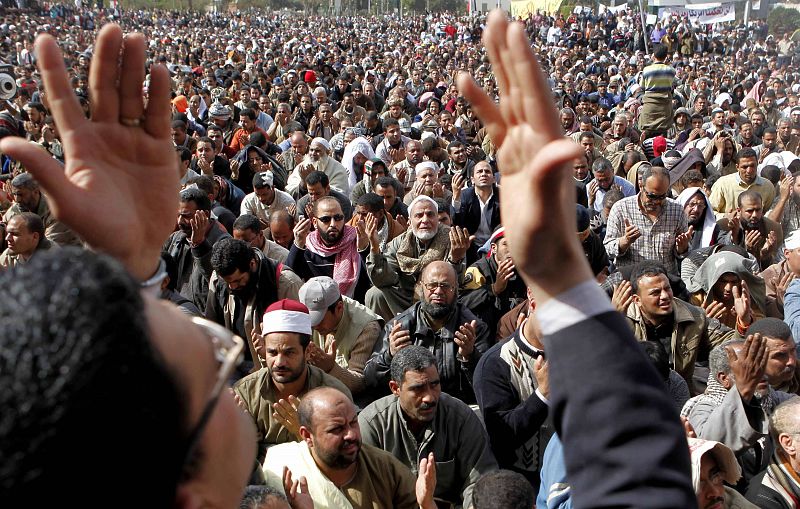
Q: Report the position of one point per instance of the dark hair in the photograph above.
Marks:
(390, 122)
(317, 177)
(247, 222)
(230, 255)
(184, 153)
(198, 196)
(602, 165)
(247, 112)
(745, 153)
(750, 195)
(658, 357)
(503, 489)
(257, 496)
(411, 358)
(443, 206)
(772, 173)
(385, 181)
(454, 145)
(25, 181)
(660, 52)
(178, 124)
(611, 197)
(770, 130)
(322, 200)
(712, 179)
(654, 171)
(771, 328)
(371, 202)
(33, 223)
(75, 344)
(282, 215)
(646, 268)
(585, 135)
(691, 176)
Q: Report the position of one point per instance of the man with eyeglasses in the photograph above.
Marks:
(648, 225)
(271, 394)
(713, 465)
(440, 323)
(331, 249)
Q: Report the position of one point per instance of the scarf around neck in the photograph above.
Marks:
(347, 264)
(412, 263)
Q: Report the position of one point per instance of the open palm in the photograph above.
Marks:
(118, 188)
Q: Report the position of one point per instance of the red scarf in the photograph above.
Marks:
(347, 264)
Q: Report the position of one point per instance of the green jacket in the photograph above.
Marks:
(456, 437)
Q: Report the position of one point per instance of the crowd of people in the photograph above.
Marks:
(440, 261)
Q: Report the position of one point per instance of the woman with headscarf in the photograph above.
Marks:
(755, 93)
(356, 153)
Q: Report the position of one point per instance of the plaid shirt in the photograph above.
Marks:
(657, 240)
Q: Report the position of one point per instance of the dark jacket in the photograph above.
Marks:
(194, 263)
(478, 296)
(220, 167)
(469, 215)
(245, 179)
(456, 376)
(306, 264)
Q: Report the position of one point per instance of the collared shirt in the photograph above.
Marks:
(657, 240)
(727, 189)
(625, 186)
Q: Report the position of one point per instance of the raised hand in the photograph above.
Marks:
(741, 304)
(682, 240)
(591, 192)
(622, 297)
(324, 359)
(749, 365)
(769, 243)
(426, 482)
(457, 186)
(535, 162)
(781, 284)
(542, 374)
(460, 240)
(753, 241)
(465, 339)
(118, 189)
(301, 230)
(399, 338)
(715, 309)
(199, 225)
(296, 491)
(505, 271)
(285, 412)
(629, 236)
(371, 231)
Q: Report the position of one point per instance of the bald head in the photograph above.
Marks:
(321, 399)
(439, 268)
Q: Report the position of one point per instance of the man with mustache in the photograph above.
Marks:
(340, 471)
(191, 245)
(271, 395)
(330, 250)
(318, 159)
(750, 229)
(417, 408)
(712, 465)
(243, 284)
(440, 323)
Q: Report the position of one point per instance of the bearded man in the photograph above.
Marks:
(330, 250)
(317, 159)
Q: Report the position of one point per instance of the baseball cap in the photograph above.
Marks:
(318, 294)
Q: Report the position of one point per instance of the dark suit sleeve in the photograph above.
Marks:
(297, 262)
(378, 367)
(623, 443)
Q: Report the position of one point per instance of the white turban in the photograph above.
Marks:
(322, 142)
(358, 145)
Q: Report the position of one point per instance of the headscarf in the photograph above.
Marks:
(709, 222)
(347, 264)
(361, 146)
(753, 94)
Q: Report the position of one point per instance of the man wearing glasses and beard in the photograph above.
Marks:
(648, 226)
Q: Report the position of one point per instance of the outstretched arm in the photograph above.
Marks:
(617, 454)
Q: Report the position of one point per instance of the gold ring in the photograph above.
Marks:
(130, 122)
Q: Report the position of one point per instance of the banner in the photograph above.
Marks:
(522, 8)
(707, 16)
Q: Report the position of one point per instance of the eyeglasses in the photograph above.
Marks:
(335, 217)
(431, 287)
(655, 197)
(228, 350)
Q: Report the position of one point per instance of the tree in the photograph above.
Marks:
(782, 20)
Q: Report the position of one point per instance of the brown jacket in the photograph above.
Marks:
(693, 331)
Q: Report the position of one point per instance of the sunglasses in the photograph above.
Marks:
(655, 197)
(228, 350)
(328, 219)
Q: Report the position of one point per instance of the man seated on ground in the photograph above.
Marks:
(714, 464)
(340, 471)
(318, 159)
(369, 209)
(511, 384)
(330, 250)
(438, 322)
(503, 489)
(265, 199)
(751, 229)
(319, 187)
(394, 272)
(386, 188)
(345, 332)
(491, 285)
(778, 487)
(28, 198)
(249, 228)
(728, 188)
(418, 419)
(737, 401)
(25, 236)
(654, 314)
(244, 283)
(191, 245)
(271, 394)
(281, 228)
(778, 276)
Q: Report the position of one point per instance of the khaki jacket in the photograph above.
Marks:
(693, 331)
